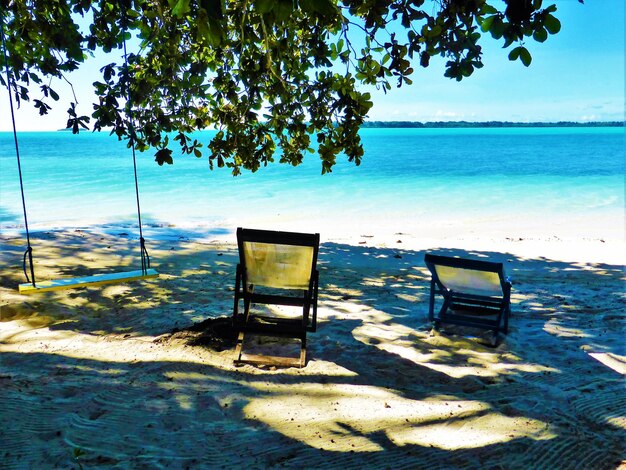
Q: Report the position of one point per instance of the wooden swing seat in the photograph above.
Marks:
(87, 281)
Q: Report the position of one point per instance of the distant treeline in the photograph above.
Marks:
(466, 124)
(456, 124)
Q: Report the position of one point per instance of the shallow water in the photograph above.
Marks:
(541, 178)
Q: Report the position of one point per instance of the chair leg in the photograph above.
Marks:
(303, 352)
(315, 294)
(507, 312)
(239, 347)
(507, 306)
(305, 314)
(431, 301)
(237, 295)
(444, 307)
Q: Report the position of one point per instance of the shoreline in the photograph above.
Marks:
(608, 246)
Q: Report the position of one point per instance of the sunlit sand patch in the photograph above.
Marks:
(555, 328)
(115, 290)
(223, 264)
(9, 296)
(363, 311)
(408, 298)
(517, 298)
(617, 421)
(463, 358)
(373, 282)
(459, 371)
(22, 337)
(184, 401)
(473, 432)
(325, 313)
(611, 360)
(18, 336)
(194, 272)
(422, 270)
(570, 307)
(381, 332)
(196, 377)
(334, 289)
(163, 276)
(362, 418)
(111, 371)
(33, 317)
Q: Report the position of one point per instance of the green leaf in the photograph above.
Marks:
(42, 107)
(213, 8)
(525, 56)
(508, 41)
(179, 7)
(497, 28)
(209, 29)
(552, 24)
(283, 9)
(487, 22)
(264, 6)
(199, 68)
(34, 77)
(540, 35)
(164, 156)
(326, 8)
(515, 53)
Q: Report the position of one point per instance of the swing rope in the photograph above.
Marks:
(28, 254)
(145, 258)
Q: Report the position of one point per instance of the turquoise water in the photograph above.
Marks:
(409, 177)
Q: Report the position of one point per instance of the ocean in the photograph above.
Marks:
(478, 181)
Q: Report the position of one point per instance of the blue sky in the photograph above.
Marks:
(577, 75)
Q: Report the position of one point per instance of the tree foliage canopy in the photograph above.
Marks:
(264, 73)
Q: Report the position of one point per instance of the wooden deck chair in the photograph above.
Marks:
(276, 268)
(475, 293)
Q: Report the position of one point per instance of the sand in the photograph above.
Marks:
(118, 377)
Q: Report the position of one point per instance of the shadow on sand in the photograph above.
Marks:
(378, 391)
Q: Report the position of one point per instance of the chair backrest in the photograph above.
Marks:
(284, 260)
(468, 276)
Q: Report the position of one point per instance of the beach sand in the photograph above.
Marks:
(117, 376)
